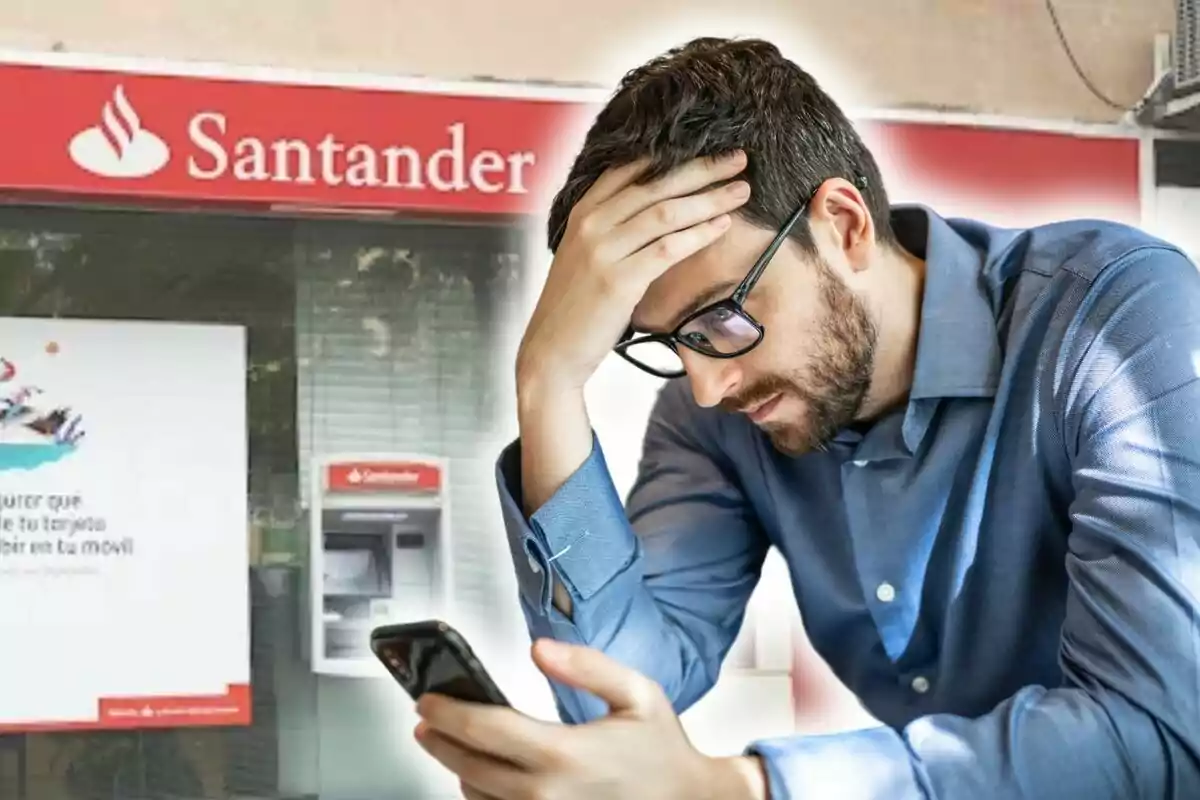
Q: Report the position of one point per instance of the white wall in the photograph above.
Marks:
(1177, 217)
(993, 57)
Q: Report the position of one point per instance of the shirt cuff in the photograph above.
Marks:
(581, 532)
(869, 764)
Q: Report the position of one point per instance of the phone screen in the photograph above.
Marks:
(433, 663)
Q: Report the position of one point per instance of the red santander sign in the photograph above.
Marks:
(102, 133)
(383, 476)
(106, 133)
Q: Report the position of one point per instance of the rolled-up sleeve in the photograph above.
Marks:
(659, 583)
(1125, 722)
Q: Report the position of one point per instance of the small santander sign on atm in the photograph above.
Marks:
(383, 476)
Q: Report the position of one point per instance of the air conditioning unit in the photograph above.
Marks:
(1173, 101)
(1187, 44)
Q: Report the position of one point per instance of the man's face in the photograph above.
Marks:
(810, 374)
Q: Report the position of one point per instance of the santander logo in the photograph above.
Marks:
(119, 147)
(216, 146)
(384, 476)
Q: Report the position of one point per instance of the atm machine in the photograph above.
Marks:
(380, 553)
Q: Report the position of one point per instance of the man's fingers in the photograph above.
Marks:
(654, 259)
(686, 179)
(611, 181)
(475, 770)
(622, 688)
(494, 730)
(669, 216)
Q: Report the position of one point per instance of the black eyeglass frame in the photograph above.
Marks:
(733, 303)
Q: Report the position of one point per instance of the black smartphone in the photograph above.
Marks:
(430, 656)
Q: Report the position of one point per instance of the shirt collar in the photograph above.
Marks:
(958, 348)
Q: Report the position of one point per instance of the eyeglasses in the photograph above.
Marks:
(723, 329)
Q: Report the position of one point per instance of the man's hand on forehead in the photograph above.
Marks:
(687, 195)
(621, 236)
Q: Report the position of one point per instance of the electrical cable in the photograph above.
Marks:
(1075, 64)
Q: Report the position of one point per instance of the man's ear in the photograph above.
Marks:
(845, 219)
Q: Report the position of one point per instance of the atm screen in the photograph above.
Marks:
(353, 571)
(380, 564)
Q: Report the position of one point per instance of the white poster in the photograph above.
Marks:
(124, 582)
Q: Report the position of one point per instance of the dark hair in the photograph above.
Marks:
(711, 96)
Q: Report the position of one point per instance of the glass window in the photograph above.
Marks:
(362, 336)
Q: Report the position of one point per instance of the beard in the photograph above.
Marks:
(833, 386)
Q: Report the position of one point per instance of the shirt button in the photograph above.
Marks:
(534, 565)
(885, 592)
(920, 684)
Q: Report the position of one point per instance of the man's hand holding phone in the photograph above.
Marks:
(498, 753)
(639, 750)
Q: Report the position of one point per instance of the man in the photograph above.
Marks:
(975, 447)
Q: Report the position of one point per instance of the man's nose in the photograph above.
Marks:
(712, 379)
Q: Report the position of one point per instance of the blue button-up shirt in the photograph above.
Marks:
(1034, 511)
